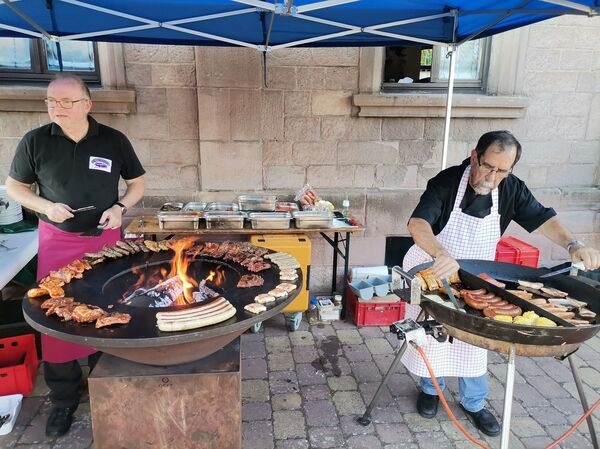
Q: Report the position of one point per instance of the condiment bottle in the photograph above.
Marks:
(346, 206)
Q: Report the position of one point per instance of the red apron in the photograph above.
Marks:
(58, 248)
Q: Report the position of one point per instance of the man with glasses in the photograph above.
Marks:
(75, 162)
(462, 214)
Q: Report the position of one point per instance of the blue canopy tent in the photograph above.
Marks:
(267, 26)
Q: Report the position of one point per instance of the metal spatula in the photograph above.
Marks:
(94, 232)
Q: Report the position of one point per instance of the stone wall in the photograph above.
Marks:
(212, 123)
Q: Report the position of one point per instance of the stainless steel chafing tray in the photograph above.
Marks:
(224, 219)
(258, 203)
(194, 206)
(313, 219)
(221, 206)
(178, 220)
(171, 207)
(270, 220)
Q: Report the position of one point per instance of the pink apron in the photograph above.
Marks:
(465, 237)
(58, 248)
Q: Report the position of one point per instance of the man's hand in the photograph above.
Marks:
(58, 212)
(112, 217)
(444, 265)
(589, 256)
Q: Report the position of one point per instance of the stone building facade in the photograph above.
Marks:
(211, 123)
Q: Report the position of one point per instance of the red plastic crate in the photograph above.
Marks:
(18, 364)
(379, 311)
(513, 250)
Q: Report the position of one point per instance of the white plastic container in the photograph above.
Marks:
(10, 405)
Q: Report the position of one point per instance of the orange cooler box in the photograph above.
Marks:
(513, 250)
(298, 245)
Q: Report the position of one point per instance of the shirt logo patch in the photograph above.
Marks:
(100, 163)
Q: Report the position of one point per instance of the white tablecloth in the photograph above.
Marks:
(24, 246)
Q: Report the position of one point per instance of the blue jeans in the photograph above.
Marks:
(473, 390)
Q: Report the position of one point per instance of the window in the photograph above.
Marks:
(427, 67)
(37, 60)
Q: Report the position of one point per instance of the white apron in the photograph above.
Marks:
(465, 237)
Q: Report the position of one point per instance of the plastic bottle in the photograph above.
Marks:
(337, 300)
(346, 207)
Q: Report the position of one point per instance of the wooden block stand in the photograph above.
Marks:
(193, 405)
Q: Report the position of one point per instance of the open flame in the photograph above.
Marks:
(176, 283)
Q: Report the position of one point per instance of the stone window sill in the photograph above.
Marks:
(434, 105)
(31, 99)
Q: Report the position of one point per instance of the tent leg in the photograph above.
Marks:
(452, 55)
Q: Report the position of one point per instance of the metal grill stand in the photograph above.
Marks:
(407, 330)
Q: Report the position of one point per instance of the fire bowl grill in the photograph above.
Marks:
(533, 341)
(141, 341)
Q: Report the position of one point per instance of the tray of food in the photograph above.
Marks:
(257, 203)
(221, 206)
(178, 220)
(308, 219)
(224, 219)
(171, 207)
(270, 220)
(285, 206)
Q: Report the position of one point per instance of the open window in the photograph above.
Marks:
(427, 67)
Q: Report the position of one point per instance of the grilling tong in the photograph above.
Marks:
(571, 268)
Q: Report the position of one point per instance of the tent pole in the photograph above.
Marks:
(452, 55)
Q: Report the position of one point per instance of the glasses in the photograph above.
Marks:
(487, 169)
(65, 104)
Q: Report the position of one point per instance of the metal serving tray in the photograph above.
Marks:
(194, 206)
(270, 220)
(178, 220)
(224, 219)
(171, 207)
(220, 206)
(313, 219)
(258, 203)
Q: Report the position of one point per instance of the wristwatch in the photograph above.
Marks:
(575, 244)
(122, 206)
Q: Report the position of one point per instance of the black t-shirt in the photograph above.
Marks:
(77, 174)
(516, 202)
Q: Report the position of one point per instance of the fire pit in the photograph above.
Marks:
(131, 285)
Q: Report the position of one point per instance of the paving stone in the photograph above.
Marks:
(325, 437)
(280, 362)
(363, 442)
(526, 427)
(304, 354)
(342, 383)
(320, 413)
(348, 402)
(546, 415)
(309, 374)
(301, 338)
(256, 411)
(283, 382)
(433, 440)
(368, 391)
(349, 336)
(258, 435)
(379, 346)
(388, 414)
(278, 344)
(416, 423)
(288, 424)
(373, 332)
(254, 369)
(350, 426)
(357, 353)
(254, 390)
(529, 396)
(292, 444)
(366, 372)
(314, 392)
(384, 361)
(286, 401)
(392, 433)
(253, 349)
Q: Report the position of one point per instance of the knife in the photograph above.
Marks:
(83, 209)
(449, 293)
(575, 267)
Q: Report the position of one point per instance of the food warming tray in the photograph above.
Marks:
(270, 220)
(313, 219)
(178, 220)
(224, 219)
(171, 207)
(257, 203)
(194, 206)
(221, 206)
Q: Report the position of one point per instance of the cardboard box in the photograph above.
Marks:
(327, 309)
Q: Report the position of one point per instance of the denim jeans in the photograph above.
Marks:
(473, 390)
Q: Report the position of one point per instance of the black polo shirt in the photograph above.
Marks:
(77, 174)
(516, 202)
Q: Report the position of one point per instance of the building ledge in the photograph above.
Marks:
(434, 105)
(31, 99)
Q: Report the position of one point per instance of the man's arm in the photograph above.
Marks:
(22, 194)
(444, 264)
(133, 194)
(554, 230)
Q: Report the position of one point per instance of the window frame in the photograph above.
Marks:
(38, 74)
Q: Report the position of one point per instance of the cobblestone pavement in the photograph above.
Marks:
(305, 389)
